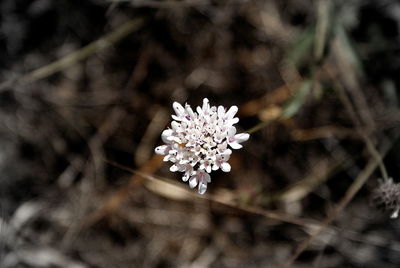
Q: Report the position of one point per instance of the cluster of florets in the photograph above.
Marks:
(198, 143)
(387, 197)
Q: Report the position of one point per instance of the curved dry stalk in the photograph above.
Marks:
(141, 175)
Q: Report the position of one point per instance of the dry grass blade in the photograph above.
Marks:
(219, 199)
(85, 52)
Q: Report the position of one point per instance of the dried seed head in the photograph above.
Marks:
(387, 197)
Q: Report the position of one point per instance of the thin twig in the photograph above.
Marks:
(81, 54)
(370, 146)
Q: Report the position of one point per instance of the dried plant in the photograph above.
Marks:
(387, 197)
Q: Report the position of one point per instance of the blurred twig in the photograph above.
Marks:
(85, 52)
(353, 115)
(322, 27)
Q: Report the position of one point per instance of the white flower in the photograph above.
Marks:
(197, 142)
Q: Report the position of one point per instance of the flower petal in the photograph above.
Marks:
(178, 108)
(186, 176)
(221, 111)
(193, 182)
(162, 150)
(208, 169)
(202, 187)
(242, 137)
(235, 145)
(231, 131)
(206, 105)
(175, 125)
(190, 111)
(166, 134)
(232, 121)
(231, 112)
(174, 168)
(225, 167)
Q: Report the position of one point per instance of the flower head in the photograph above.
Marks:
(387, 197)
(199, 142)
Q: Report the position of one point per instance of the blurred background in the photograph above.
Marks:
(87, 88)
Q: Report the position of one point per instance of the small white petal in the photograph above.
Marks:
(177, 118)
(235, 145)
(242, 137)
(173, 168)
(225, 167)
(232, 121)
(178, 108)
(231, 112)
(162, 150)
(208, 169)
(202, 187)
(221, 111)
(190, 112)
(166, 134)
(206, 105)
(193, 182)
(175, 125)
(186, 176)
(231, 131)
